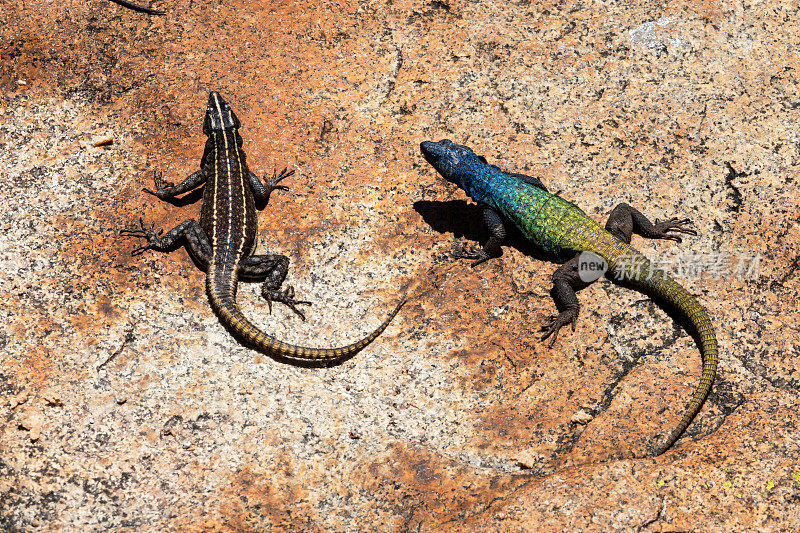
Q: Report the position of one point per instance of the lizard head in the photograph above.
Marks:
(456, 163)
(219, 115)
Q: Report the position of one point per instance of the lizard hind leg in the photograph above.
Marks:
(566, 282)
(274, 268)
(625, 220)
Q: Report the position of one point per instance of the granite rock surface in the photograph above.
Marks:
(126, 405)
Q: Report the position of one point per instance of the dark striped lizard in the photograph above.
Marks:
(224, 239)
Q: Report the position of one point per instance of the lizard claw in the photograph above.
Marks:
(143, 232)
(277, 178)
(555, 323)
(138, 232)
(160, 182)
(139, 250)
(666, 229)
(285, 297)
(477, 255)
(161, 186)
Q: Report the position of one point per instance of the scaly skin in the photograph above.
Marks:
(560, 227)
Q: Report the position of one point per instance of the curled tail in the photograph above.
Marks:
(636, 269)
(224, 304)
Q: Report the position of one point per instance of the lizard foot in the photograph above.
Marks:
(152, 236)
(667, 228)
(277, 178)
(161, 186)
(555, 323)
(286, 297)
(478, 255)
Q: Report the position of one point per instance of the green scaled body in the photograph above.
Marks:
(562, 228)
(552, 223)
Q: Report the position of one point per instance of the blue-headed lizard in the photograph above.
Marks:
(560, 227)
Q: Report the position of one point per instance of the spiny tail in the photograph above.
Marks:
(224, 304)
(637, 270)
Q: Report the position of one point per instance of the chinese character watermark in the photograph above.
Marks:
(687, 265)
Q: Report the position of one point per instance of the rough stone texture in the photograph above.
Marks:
(126, 404)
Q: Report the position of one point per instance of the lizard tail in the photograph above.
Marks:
(224, 304)
(637, 270)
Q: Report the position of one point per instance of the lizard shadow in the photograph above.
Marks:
(670, 309)
(680, 322)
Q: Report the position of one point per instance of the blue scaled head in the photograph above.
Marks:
(219, 115)
(456, 163)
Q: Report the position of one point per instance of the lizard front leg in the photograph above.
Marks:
(261, 192)
(566, 282)
(196, 239)
(497, 235)
(167, 191)
(625, 220)
(274, 268)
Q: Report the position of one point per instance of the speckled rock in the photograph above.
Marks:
(125, 403)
